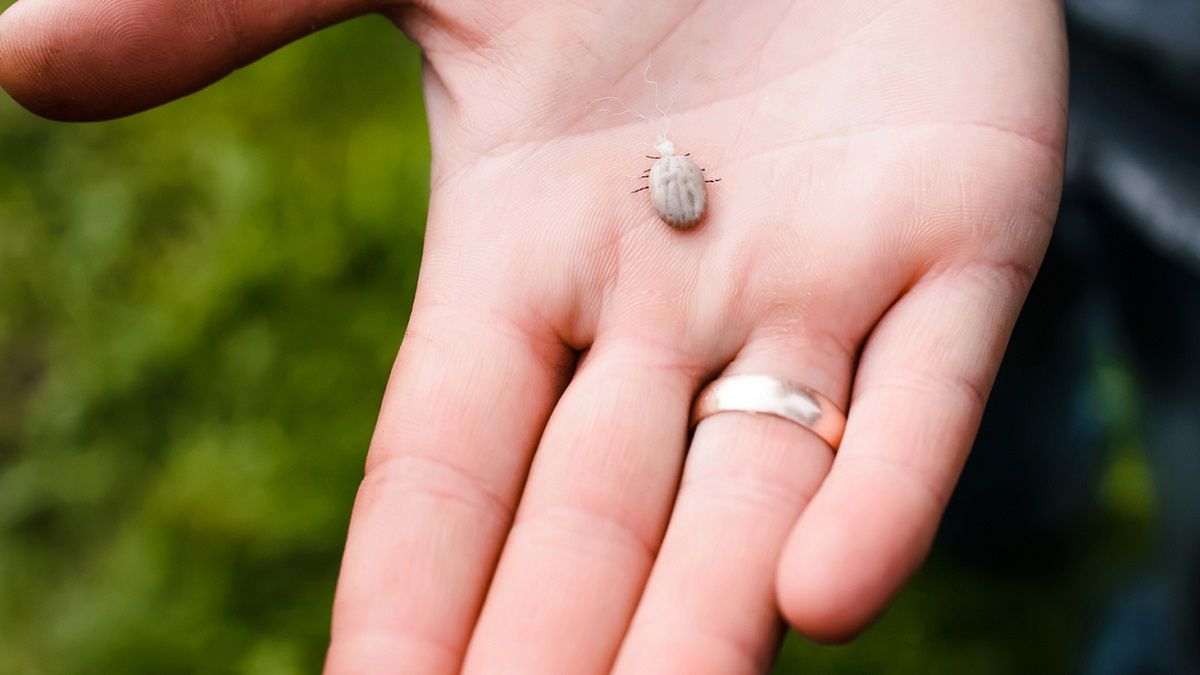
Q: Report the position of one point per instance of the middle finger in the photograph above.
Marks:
(592, 515)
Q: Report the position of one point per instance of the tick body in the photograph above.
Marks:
(677, 188)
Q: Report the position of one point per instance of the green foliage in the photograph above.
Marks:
(198, 310)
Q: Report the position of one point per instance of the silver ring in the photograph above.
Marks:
(766, 395)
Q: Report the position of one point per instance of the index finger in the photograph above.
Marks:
(99, 59)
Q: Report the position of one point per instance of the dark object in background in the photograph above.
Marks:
(1123, 277)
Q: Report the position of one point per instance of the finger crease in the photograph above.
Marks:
(937, 497)
(594, 522)
(438, 478)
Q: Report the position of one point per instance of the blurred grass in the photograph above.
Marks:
(200, 307)
(198, 310)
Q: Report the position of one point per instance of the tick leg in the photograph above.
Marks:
(652, 157)
(713, 180)
(639, 190)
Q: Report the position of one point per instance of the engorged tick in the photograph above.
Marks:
(676, 187)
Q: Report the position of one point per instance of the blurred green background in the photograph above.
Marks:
(198, 311)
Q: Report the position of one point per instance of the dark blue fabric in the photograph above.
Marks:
(1122, 280)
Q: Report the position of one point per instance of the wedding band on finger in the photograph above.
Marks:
(766, 395)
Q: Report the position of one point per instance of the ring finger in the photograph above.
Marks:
(709, 606)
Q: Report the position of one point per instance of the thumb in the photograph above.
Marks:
(98, 59)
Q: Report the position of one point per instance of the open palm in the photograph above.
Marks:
(533, 499)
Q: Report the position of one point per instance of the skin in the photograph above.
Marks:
(531, 504)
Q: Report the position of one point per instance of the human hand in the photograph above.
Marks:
(890, 174)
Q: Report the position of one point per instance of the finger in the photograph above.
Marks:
(464, 408)
(98, 59)
(918, 399)
(709, 606)
(591, 517)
